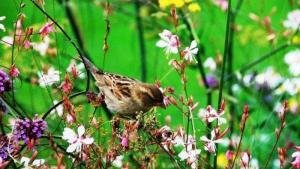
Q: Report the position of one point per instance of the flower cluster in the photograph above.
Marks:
(29, 130)
(171, 44)
(191, 5)
(5, 82)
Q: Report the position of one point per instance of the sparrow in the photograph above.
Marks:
(125, 96)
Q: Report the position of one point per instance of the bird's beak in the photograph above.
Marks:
(162, 105)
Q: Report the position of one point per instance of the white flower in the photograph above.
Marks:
(168, 41)
(269, 78)
(59, 109)
(293, 60)
(293, 20)
(207, 114)
(118, 161)
(49, 78)
(210, 114)
(210, 144)
(76, 140)
(79, 68)
(210, 64)
(190, 154)
(190, 52)
(291, 86)
(7, 41)
(1, 25)
(41, 47)
(36, 163)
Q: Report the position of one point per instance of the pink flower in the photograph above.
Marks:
(245, 159)
(210, 144)
(223, 4)
(26, 44)
(168, 41)
(46, 29)
(14, 71)
(66, 86)
(190, 52)
(229, 155)
(296, 162)
(125, 141)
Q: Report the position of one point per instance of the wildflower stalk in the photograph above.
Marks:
(13, 49)
(234, 14)
(141, 40)
(278, 132)
(225, 54)
(242, 128)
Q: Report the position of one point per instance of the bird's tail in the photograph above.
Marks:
(90, 66)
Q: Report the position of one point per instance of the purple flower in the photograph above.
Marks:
(29, 130)
(5, 82)
(3, 107)
(212, 81)
(6, 148)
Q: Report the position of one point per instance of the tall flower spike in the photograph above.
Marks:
(29, 130)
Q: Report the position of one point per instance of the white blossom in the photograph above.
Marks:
(210, 64)
(49, 78)
(293, 20)
(76, 140)
(168, 41)
(293, 60)
(190, 52)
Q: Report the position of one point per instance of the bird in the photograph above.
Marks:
(125, 96)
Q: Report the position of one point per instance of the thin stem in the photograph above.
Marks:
(273, 148)
(141, 41)
(264, 57)
(225, 54)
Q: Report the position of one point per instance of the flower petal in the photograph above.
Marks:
(88, 140)
(69, 135)
(81, 130)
